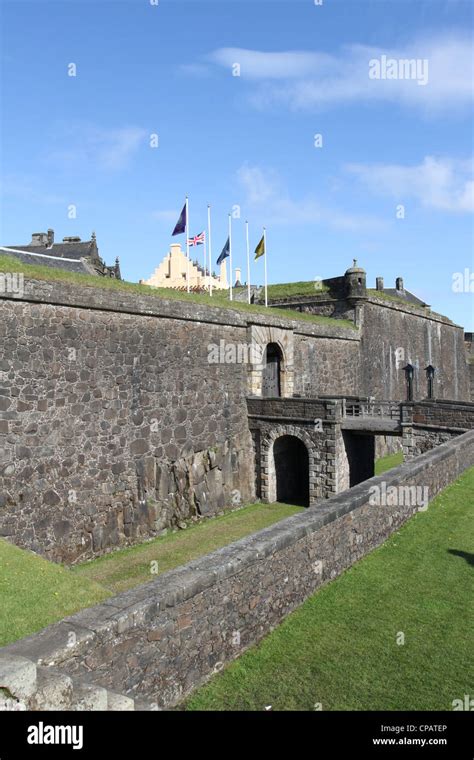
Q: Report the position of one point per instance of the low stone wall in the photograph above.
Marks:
(439, 413)
(425, 438)
(162, 639)
(27, 686)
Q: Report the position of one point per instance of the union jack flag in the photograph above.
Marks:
(197, 239)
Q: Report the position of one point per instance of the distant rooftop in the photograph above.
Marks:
(72, 254)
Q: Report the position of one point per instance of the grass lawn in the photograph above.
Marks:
(35, 592)
(219, 299)
(387, 463)
(340, 650)
(305, 288)
(137, 564)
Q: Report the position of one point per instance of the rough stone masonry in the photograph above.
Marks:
(115, 426)
(160, 640)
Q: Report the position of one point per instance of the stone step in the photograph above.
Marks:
(143, 705)
(119, 702)
(87, 697)
(54, 691)
(17, 676)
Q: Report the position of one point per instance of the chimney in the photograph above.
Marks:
(238, 274)
(39, 238)
(50, 235)
(399, 284)
(379, 283)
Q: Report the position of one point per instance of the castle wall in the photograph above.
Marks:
(392, 336)
(113, 423)
(162, 639)
(326, 366)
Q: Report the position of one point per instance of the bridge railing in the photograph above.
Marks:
(371, 408)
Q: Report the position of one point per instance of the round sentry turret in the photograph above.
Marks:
(355, 278)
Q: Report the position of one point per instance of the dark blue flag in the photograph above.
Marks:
(225, 252)
(181, 223)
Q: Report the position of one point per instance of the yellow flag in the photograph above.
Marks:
(260, 249)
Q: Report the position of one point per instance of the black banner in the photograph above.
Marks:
(380, 734)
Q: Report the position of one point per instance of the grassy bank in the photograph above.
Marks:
(35, 592)
(138, 564)
(392, 633)
(388, 463)
(219, 299)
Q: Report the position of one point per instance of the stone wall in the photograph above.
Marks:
(425, 439)
(448, 414)
(326, 366)
(27, 686)
(386, 445)
(326, 307)
(164, 638)
(114, 425)
(393, 335)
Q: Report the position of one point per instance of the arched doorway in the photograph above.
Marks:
(271, 381)
(291, 470)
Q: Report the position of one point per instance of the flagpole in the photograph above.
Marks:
(265, 249)
(248, 260)
(205, 260)
(230, 255)
(187, 243)
(210, 247)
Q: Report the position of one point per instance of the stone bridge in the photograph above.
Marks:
(307, 449)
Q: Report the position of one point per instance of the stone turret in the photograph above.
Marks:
(355, 279)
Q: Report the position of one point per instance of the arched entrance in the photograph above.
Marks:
(271, 380)
(291, 470)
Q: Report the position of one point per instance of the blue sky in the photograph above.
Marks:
(247, 140)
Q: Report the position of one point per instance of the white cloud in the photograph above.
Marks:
(255, 64)
(266, 195)
(439, 183)
(312, 79)
(86, 144)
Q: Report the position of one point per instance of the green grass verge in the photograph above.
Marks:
(35, 592)
(138, 564)
(288, 289)
(374, 293)
(340, 650)
(389, 462)
(219, 299)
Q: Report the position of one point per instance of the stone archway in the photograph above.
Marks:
(262, 336)
(269, 468)
(291, 462)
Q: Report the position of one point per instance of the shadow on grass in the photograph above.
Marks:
(465, 555)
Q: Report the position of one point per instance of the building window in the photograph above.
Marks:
(430, 373)
(409, 372)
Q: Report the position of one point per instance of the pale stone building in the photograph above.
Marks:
(171, 273)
